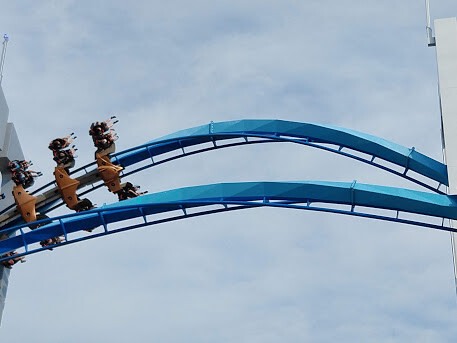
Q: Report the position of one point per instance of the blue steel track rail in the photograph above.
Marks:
(200, 200)
(328, 138)
(314, 135)
(267, 131)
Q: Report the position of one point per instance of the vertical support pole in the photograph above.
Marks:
(2, 58)
(430, 38)
(446, 56)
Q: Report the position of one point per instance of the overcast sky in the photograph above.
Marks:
(259, 275)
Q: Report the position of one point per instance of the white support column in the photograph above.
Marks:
(10, 149)
(446, 55)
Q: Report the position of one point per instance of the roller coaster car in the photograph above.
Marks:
(67, 187)
(104, 152)
(109, 173)
(25, 203)
(102, 138)
(63, 158)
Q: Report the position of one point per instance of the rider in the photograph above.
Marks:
(61, 156)
(61, 143)
(21, 174)
(105, 141)
(51, 241)
(14, 165)
(102, 127)
(10, 263)
(101, 137)
(84, 205)
(129, 191)
(22, 166)
(64, 156)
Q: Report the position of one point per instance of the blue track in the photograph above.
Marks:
(194, 201)
(305, 133)
(375, 151)
(298, 195)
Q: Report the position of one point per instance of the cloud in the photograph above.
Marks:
(259, 275)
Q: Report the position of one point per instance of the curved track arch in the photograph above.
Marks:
(194, 201)
(330, 138)
(222, 134)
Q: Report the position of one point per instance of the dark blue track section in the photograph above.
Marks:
(232, 196)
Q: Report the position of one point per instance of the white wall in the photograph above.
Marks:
(10, 149)
(446, 54)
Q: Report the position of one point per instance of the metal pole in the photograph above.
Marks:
(2, 59)
(430, 38)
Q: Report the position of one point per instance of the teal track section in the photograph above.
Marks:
(306, 133)
(208, 199)
(243, 132)
(350, 198)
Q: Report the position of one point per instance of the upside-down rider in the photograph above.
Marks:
(129, 191)
(10, 263)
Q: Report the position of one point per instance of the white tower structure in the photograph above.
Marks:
(10, 149)
(446, 56)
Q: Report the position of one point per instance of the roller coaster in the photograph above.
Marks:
(25, 225)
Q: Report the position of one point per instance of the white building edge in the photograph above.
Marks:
(10, 149)
(446, 57)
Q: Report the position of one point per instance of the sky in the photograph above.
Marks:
(262, 275)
